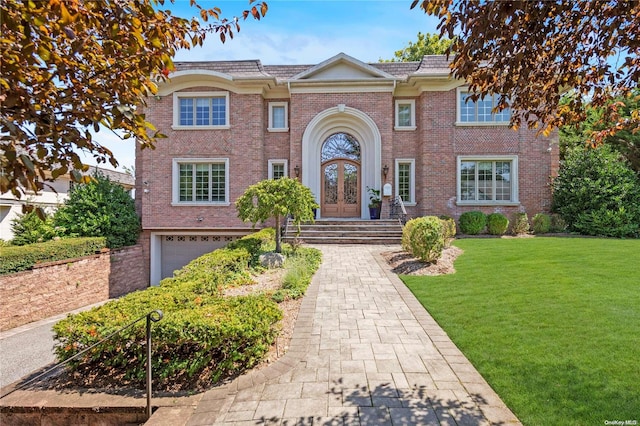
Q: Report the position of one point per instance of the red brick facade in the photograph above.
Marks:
(353, 95)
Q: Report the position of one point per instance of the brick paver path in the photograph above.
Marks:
(364, 352)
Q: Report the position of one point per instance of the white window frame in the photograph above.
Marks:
(184, 95)
(285, 164)
(459, 122)
(175, 181)
(515, 200)
(412, 105)
(271, 127)
(412, 179)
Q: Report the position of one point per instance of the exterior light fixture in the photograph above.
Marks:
(296, 169)
(385, 171)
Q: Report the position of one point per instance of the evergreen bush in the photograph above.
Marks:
(541, 223)
(100, 208)
(448, 229)
(28, 228)
(597, 193)
(21, 258)
(426, 238)
(472, 222)
(497, 224)
(520, 223)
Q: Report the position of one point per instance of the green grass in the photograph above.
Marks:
(553, 324)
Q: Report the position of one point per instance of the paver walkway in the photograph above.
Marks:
(364, 352)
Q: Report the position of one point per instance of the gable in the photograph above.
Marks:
(342, 67)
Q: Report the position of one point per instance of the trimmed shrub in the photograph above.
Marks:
(427, 239)
(226, 335)
(597, 193)
(472, 222)
(520, 223)
(541, 223)
(202, 338)
(448, 229)
(497, 224)
(21, 258)
(406, 233)
(557, 223)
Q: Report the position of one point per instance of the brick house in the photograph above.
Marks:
(339, 126)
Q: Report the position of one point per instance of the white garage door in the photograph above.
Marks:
(178, 250)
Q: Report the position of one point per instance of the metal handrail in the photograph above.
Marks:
(396, 204)
(153, 316)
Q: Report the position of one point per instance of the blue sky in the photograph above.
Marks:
(300, 32)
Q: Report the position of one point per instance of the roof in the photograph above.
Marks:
(432, 65)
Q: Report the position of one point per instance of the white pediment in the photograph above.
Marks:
(342, 67)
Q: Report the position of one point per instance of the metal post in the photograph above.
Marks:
(155, 318)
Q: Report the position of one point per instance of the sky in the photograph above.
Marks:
(298, 32)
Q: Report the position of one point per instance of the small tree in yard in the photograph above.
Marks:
(276, 198)
(100, 208)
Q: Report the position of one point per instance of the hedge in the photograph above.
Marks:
(22, 258)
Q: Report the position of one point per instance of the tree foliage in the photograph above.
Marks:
(529, 52)
(426, 44)
(624, 141)
(100, 208)
(73, 67)
(276, 198)
(597, 193)
(28, 228)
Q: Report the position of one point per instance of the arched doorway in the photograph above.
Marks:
(358, 125)
(340, 173)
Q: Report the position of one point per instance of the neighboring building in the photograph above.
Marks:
(339, 126)
(52, 195)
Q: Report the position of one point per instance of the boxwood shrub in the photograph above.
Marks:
(426, 238)
(448, 229)
(497, 224)
(472, 222)
(21, 258)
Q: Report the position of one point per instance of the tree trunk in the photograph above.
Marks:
(278, 235)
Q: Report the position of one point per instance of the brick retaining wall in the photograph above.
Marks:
(58, 287)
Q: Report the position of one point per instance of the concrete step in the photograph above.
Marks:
(351, 231)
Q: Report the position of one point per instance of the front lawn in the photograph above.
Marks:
(553, 324)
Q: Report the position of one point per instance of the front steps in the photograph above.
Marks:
(352, 231)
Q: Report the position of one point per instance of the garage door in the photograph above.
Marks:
(178, 250)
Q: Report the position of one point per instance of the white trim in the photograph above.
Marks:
(271, 127)
(359, 125)
(412, 179)
(175, 181)
(515, 198)
(412, 105)
(285, 163)
(343, 58)
(459, 122)
(176, 109)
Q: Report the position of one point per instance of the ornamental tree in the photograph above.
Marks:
(276, 198)
(530, 52)
(71, 67)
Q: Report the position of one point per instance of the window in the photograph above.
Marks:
(485, 180)
(405, 180)
(481, 111)
(405, 115)
(278, 117)
(201, 110)
(277, 169)
(200, 181)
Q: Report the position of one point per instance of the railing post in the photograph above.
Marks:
(154, 316)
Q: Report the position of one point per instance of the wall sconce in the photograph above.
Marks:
(296, 170)
(158, 97)
(385, 171)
